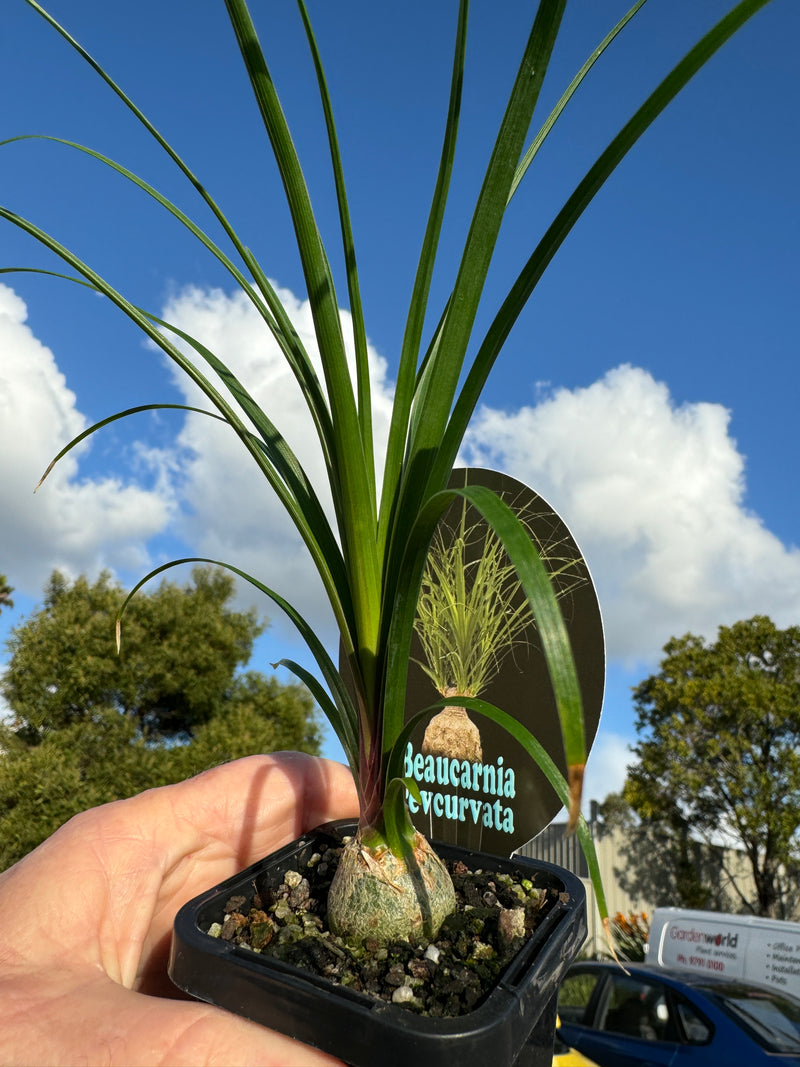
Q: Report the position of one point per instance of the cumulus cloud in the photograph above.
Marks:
(654, 493)
(607, 767)
(76, 525)
(231, 513)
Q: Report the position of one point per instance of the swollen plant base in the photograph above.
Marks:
(379, 897)
(396, 1003)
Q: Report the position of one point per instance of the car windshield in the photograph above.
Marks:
(773, 1020)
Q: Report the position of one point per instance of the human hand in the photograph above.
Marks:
(86, 918)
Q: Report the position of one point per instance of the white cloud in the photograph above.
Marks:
(74, 525)
(232, 513)
(654, 494)
(606, 769)
(653, 491)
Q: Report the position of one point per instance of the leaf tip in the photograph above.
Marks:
(575, 779)
(50, 466)
(610, 938)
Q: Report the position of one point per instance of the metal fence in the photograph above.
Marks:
(553, 845)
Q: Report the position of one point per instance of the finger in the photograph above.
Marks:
(98, 1022)
(231, 816)
(121, 871)
(258, 803)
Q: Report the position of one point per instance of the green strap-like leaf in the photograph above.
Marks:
(406, 384)
(280, 456)
(113, 418)
(354, 289)
(200, 188)
(264, 298)
(351, 482)
(541, 757)
(399, 614)
(350, 493)
(536, 585)
(437, 384)
(435, 395)
(337, 589)
(268, 443)
(397, 823)
(550, 626)
(344, 721)
(569, 92)
(572, 210)
(340, 715)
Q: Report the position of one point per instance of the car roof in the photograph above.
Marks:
(678, 977)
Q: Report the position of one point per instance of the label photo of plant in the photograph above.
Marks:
(476, 638)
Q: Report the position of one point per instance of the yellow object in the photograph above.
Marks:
(564, 1056)
(571, 1058)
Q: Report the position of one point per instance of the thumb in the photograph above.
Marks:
(100, 1022)
(184, 1034)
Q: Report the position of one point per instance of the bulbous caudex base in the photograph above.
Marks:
(375, 895)
(452, 733)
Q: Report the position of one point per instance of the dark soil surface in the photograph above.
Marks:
(496, 914)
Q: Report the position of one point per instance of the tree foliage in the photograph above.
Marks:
(5, 593)
(719, 763)
(180, 650)
(88, 726)
(665, 863)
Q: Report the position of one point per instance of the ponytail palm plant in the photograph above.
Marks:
(371, 551)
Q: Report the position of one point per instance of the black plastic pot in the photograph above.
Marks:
(515, 1024)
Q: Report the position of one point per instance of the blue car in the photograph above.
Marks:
(655, 1017)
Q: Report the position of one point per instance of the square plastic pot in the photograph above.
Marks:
(515, 1024)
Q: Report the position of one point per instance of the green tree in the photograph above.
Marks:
(261, 714)
(181, 647)
(664, 861)
(719, 759)
(89, 726)
(5, 593)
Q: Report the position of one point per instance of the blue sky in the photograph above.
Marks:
(648, 392)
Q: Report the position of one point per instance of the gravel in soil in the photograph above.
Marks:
(495, 915)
